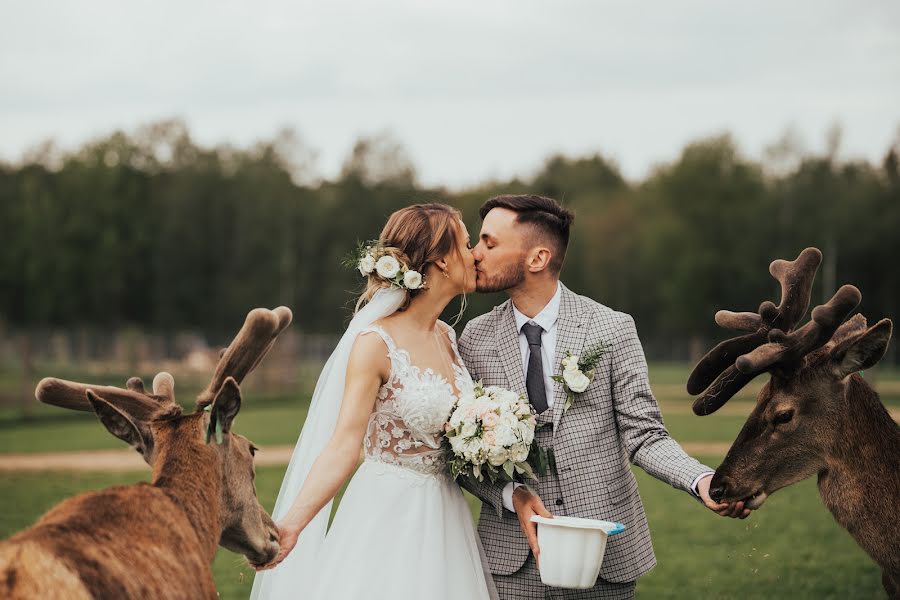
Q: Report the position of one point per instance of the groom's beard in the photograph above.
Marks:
(508, 277)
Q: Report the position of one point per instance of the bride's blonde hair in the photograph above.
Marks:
(416, 236)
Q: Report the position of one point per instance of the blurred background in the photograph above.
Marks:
(165, 167)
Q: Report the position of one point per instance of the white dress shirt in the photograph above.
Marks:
(547, 318)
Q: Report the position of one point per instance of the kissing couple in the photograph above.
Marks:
(403, 530)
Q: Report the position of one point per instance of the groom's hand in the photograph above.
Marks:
(527, 504)
(734, 510)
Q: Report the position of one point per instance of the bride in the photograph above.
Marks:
(403, 528)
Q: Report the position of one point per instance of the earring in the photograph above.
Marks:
(446, 274)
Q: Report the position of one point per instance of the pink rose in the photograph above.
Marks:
(490, 438)
(490, 420)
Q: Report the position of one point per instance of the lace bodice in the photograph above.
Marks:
(406, 426)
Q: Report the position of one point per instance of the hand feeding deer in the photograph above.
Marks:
(816, 415)
(154, 540)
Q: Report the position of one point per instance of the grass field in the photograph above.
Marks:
(791, 548)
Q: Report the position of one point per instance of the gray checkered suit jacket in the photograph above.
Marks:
(616, 420)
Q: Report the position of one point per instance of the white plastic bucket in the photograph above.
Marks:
(572, 549)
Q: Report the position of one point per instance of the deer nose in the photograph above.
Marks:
(717, 492)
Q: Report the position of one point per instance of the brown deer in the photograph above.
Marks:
(154, 540)
(815, 415)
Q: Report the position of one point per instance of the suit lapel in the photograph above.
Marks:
(570, 335)
(508, 348)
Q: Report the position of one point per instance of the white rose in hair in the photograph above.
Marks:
(576, 380)
(412, 280)
(387, 267)
(366, 264)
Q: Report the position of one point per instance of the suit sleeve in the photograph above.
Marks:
(492, 493)
(640, 422)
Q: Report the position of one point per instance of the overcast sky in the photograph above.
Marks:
(472, 89)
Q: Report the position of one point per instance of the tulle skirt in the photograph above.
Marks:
(401, 535)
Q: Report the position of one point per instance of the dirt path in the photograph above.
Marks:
(110, 460)
(129, 460)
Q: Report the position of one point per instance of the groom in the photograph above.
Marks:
(614, 422)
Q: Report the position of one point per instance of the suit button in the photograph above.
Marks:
(559, 501)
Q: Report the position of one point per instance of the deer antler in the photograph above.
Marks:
(135, 401)
(249, 346)
(733, 363)
(787, 349)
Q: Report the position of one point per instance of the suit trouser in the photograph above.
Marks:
(525, 584)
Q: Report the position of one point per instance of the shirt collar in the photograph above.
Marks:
(548, 315)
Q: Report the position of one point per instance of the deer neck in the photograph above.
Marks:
(192, 477)
(867, 435)
(860, 478)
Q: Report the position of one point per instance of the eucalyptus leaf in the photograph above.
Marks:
(526, 469)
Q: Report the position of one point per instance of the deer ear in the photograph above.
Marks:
(863, 352)
(120, 424)
(227, 403)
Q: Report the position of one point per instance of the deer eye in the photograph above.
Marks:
(253, 450)
(783, 417)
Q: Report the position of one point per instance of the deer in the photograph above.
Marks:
(156, 539)
(817, 415)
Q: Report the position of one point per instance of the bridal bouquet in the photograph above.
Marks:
(491, 432)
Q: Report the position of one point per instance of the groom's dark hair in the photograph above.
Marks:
(549, 220)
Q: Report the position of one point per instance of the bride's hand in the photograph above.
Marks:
(287, 539)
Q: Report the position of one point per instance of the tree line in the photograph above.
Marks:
(149, 228)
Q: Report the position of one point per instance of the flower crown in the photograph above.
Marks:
(371, 258)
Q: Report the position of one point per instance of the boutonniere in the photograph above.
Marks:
(578, 372)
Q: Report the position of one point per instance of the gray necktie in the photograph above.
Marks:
(534, 379)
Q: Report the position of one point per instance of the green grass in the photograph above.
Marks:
(274, 421)
(790, 548)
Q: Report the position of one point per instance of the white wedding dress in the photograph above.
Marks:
(403, 530)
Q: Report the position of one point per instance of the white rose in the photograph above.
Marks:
(506, 436)
(510, 420)
(526, 430)
(519, 453)
(498, 456)
(468, 429)
(576, 380)
(510, 398)
(366, 264)
(456, 442)
(412, 280)
(472, 452)
(387, 267)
